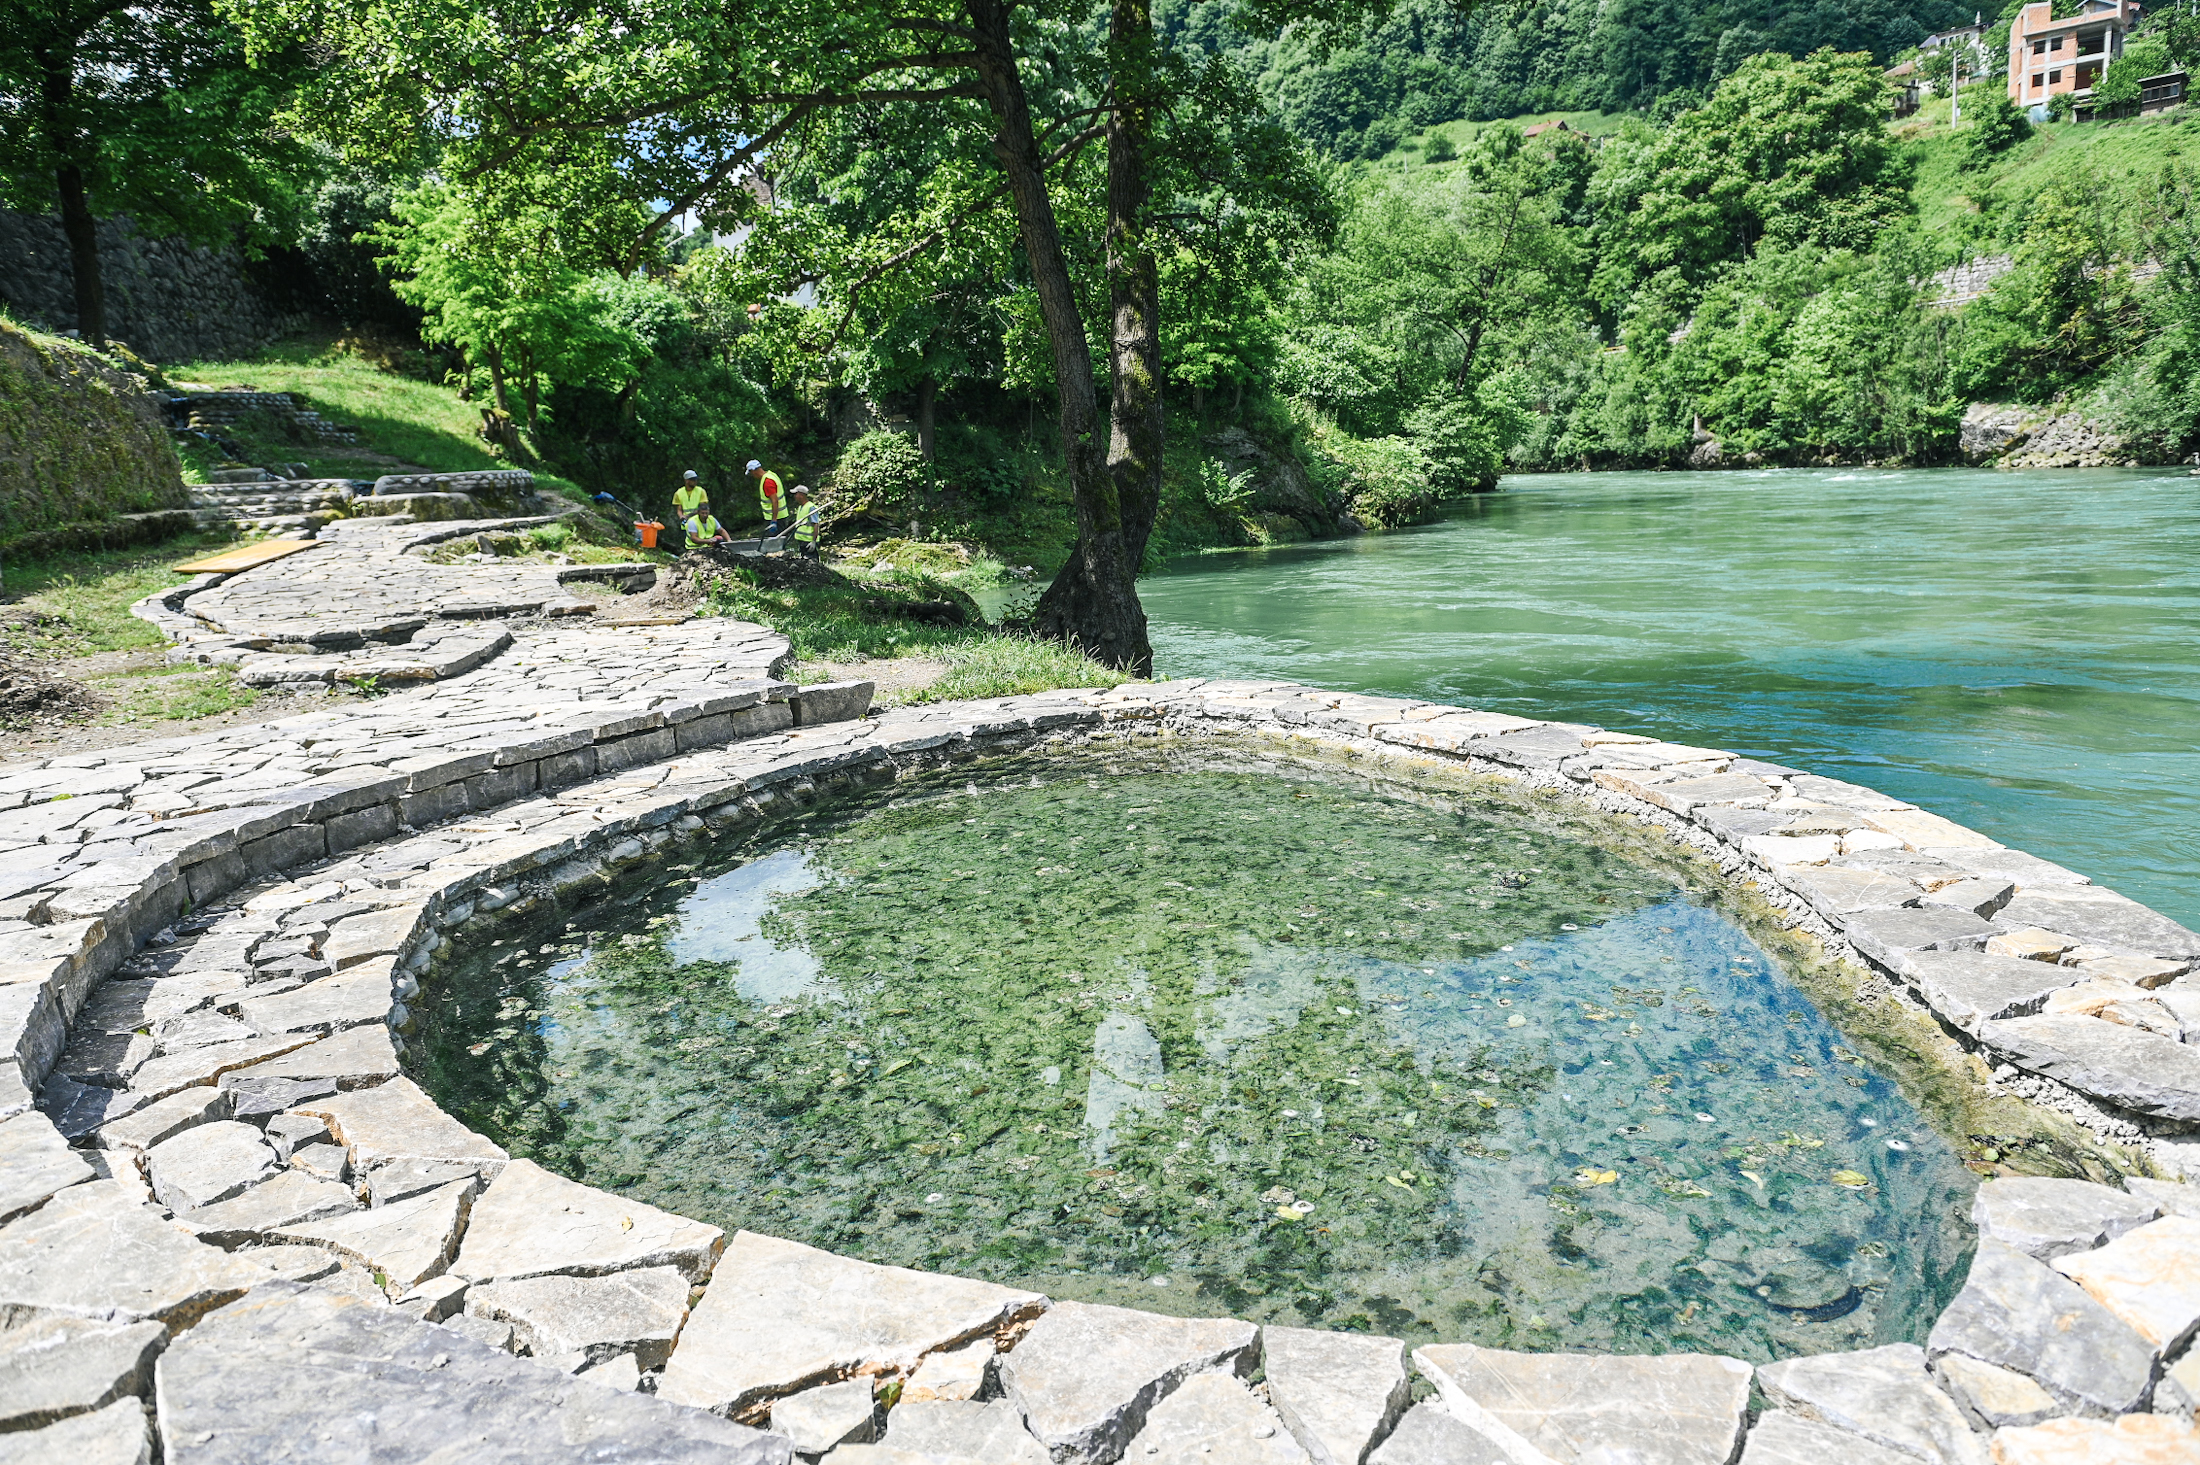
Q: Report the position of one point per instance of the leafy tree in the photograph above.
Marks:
(595, 111)
(2119, 85)
(1430, 271)
(504, 291)
(2069, 305)
(1440, 149)
(1785, 152)
(147, 109)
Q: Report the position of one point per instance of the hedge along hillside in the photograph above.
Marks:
(80, 443)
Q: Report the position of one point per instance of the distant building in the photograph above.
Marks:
(1542, 127)
(1962, 35)
(1907, 80)
(1906, 87)
(2048, 57)
(2160, 93)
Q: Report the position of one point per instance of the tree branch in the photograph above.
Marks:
(878, 271)
(934, 27)
(742, 155)
(845, 99)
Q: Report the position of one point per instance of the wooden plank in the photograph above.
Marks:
(244, 557)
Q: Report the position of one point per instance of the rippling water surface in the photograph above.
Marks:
(2017, 651)
(1187, 1034)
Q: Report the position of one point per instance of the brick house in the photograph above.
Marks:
(2049, 56)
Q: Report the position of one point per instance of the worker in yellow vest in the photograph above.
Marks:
(703, 529)
(689, 499)
(804, 530)
(769, 496)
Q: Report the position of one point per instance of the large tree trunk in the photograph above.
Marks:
(928, 392)
(57, 89)
(1093, 602)
(1138, 429)
(83, 234)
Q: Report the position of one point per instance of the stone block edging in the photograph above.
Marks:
(337, 955)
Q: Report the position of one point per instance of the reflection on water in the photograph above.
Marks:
(2014, 650)
(723, 922)
(1211, 1041)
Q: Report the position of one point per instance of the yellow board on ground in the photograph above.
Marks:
(244, 557)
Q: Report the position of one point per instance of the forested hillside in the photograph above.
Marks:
(1431, 61)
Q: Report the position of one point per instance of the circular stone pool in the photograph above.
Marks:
(1204, 1036)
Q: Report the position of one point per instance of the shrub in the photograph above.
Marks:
(1993, 125)
(1460, 443)
(1384, 479)
(1219, 488)
(883, 472)
(1439, 150)
(2118, 87)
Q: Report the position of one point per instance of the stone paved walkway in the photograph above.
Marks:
(229, 1222)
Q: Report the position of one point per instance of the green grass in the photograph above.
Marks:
(424, 424)
(840, 623)
(1010, 664)
(173, 694)
(79, 605)
(1948, 195)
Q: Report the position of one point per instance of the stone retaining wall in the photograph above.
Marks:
(309, 1240)
(169, 299)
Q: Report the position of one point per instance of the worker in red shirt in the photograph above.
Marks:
(769, 496)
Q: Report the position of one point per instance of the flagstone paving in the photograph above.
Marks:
(208, 946)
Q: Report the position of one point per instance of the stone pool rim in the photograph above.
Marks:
(1930, 952)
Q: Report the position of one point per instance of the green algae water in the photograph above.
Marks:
(1182, 1032)
(2014, 650)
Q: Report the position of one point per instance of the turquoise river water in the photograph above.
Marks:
(2017, 651)
(1201, 1034)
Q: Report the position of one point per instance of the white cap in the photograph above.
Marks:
(753, 466)
(689, 475)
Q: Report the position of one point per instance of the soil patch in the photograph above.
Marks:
(33, 697)
(892, 677)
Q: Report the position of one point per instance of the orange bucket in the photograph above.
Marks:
(649, 529)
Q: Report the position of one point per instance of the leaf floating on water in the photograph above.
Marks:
(1285, 1213)
(1754, 1178)
(1394, 1180)
(1516, 1021)
(1851, 1180)
(1796, 1141)
(1595, 1177)
(1686, 1189)
(478, 1049)
(897, 1065)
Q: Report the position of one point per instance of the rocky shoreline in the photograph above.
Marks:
(231, 1229)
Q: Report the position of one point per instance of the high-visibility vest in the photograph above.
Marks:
(770, 495)
(702, 528)
(688, 500)
(805, 525)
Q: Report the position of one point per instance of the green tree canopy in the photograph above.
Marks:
(147, 109)
(1785, 152)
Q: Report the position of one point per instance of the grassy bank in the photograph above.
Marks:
(879, 626)
(1956, 203)
(69, 617)
(405, 424)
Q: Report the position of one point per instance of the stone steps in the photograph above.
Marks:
(212, 411)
